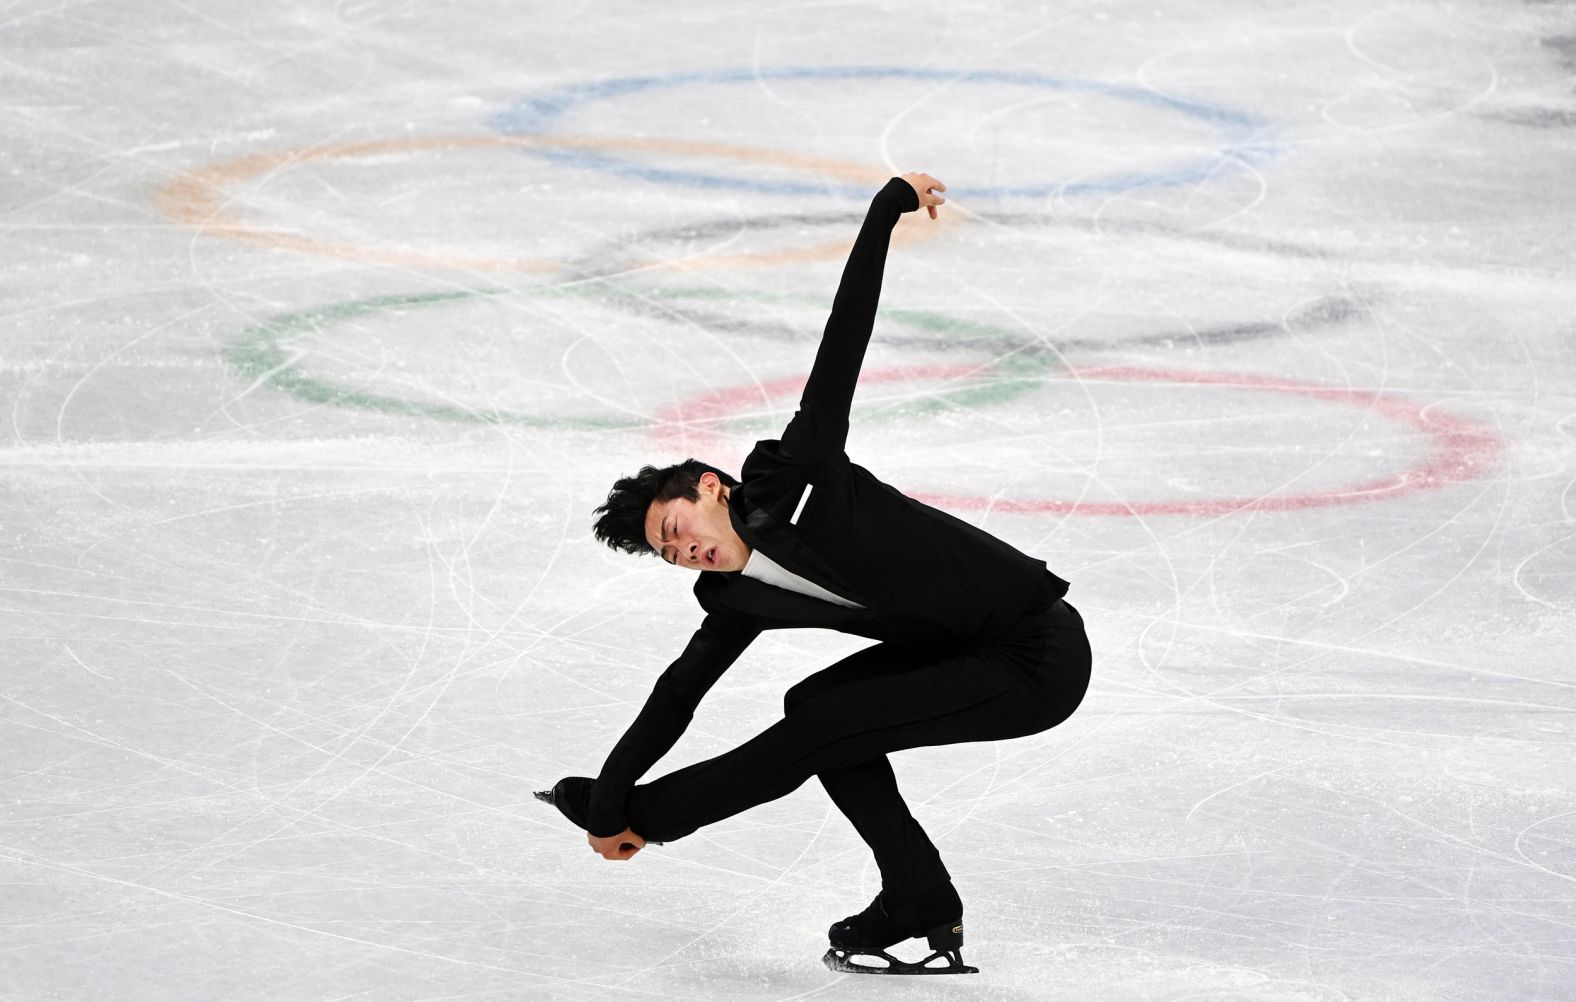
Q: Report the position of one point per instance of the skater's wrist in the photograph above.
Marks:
(902, 192)
(607, 830)
(603, 818)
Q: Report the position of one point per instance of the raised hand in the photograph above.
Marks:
(926, 187)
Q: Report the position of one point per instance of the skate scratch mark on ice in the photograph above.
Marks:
(78, 732)
(545, 568)
(269, 502)
(1251, 779)
(1409, 86)
(85, 667)
(1370, 652)
(1445, 838)
(275, 808)
(370, 832)
(724, 920)
(1522, 835)
(1229, 158)
(76, 387)
(28, 859)
(1516, 574)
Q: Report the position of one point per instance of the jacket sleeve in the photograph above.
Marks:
(821, 424)
(668, 711)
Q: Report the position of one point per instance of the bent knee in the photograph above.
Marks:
(1067, 693)
(808, 701)
(794, 698)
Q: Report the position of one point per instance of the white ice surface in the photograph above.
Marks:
(298, 598)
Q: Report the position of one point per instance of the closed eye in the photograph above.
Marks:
(664, 538)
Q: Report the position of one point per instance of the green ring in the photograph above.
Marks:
(259, 354)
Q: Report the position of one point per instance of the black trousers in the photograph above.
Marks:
(840, 723)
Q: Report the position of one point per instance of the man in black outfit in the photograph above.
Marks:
(976, 643)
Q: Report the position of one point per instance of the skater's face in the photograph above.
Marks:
(697, 534)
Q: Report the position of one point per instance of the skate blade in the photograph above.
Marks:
(842, 962)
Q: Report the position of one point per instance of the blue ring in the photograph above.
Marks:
(1248, 138)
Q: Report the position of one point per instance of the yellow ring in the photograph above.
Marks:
(199, 198)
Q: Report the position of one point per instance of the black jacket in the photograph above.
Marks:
(926, 580)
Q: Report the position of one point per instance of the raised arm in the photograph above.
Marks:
(668, 710)
(821, 424)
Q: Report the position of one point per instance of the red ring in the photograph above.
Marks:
(1461, 449)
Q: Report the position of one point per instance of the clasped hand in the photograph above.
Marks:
(620, 846)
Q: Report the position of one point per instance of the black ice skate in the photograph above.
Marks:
(936, 915)
(572, 796)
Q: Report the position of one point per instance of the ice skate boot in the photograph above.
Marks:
(572, 796)
(936, 914)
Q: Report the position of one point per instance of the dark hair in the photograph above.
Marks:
(621, 522)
